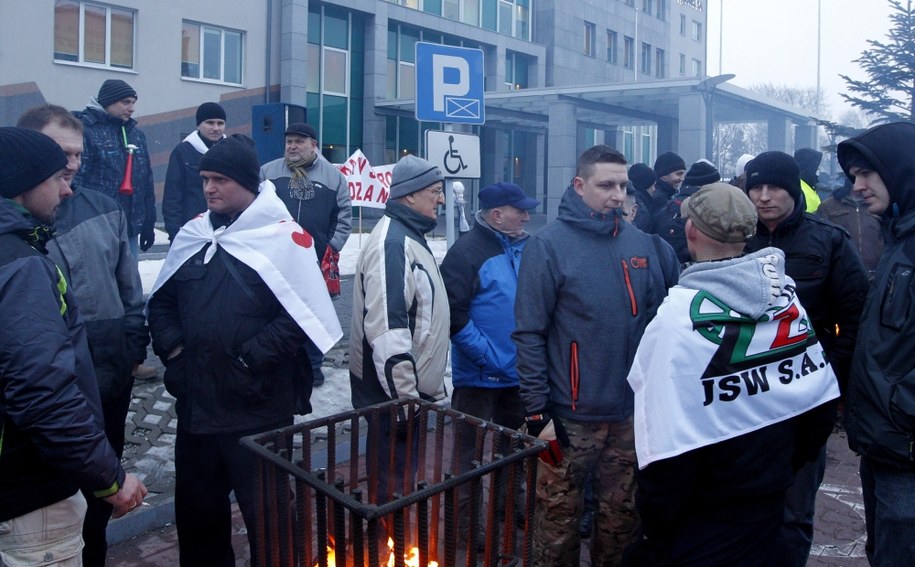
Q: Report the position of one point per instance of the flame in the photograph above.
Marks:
(411, 558)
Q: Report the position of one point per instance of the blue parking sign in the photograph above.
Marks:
(449, 84)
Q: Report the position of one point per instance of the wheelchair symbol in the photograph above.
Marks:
(453, 154)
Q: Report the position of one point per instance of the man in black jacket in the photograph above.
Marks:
(831, 284)
(880, 411)
(52, 439)
(182, 198)
(231, 337)
(671, 170)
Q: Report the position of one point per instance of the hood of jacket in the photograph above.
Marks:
(94, 113)
(15, 219)
(750, 285)
(574, 211)
(889, 149)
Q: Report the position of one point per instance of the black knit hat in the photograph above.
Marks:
(27, 159)
(668, 163)
(642, 176)
(114, 90)
(775, 168)
(702, 173)
(236, 158)
(210, 111)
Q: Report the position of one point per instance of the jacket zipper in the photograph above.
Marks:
(574, 374)
(635, 308)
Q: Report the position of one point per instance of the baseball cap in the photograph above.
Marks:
(721, 212)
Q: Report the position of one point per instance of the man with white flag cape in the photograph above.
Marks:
(733, 393)
(238, 294)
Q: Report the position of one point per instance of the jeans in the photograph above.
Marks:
(796, 533)
(48, 536)
(889, 512)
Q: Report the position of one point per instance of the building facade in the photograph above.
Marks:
(351, 64)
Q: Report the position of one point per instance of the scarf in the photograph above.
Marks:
(299, 167)
(266, 239)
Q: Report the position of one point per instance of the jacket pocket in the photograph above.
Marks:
(242, 382)
(629, 289)
(897, 298)
(805, 266)
(175, 378)
(574, 373)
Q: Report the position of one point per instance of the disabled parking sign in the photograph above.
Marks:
(449, 84)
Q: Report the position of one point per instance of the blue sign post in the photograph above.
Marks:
(449, 84)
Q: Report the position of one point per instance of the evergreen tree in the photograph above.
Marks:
(889, 91)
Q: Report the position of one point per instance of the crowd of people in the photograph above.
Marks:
(681, 344)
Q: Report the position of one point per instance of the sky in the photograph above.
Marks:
(775, 41)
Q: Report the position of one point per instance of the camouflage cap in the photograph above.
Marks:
(722, 212)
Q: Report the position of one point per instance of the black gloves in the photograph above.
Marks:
(147, 237)
(551, 429)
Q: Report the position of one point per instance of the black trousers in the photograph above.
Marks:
(98, 512)
(207, 469)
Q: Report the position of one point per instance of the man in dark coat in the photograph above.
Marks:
(880, 407)
(231, 338)
(831, 284)
(182, 197)
(111, 140)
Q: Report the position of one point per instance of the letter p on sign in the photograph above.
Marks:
(450, 77)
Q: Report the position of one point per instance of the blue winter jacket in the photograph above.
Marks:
(481, 275)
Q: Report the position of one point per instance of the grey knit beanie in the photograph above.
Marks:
(412, 174)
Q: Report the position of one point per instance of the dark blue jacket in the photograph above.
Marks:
(481, 275)
(105, 159)
(52, 439)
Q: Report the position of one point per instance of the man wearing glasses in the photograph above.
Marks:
(399, 335)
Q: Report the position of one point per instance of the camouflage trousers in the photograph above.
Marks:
(607, 450)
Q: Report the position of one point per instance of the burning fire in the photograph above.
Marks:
(411, 558)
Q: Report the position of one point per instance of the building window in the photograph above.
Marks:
(645, 62)
(660, 63)
(93, 34)
(662, 10)
(211, 53)
(505, 17)
(589, 39)
(648, 6)
(697, 30)
(628, 52)
(697, 68)
(523, 19)
(682, 64)
(682, 25)
(630, 3)
(471, 13)
(451, 9)
(516, 71)
(611, 47)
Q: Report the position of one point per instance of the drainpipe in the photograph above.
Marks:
(268, 51)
